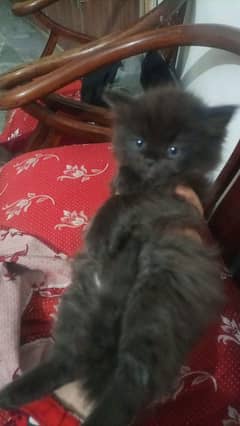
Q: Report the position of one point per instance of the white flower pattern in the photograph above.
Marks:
(73, 220)
(32, 422)
(233, 417)
(15, 134)
(231, 331)
(197, 377)
(22, 205)
(31, 162)
(76, 172)
(4, 189)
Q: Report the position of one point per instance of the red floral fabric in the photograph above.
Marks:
(47, 412)
(52, 194)
(47, 198)
(20, 125)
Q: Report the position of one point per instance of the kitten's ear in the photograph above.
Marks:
(118, 101)
(220, 116)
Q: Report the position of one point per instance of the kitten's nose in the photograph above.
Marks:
(150, 156)
(149, 162)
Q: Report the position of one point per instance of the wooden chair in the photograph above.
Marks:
(171, 12)
(35, 8)
(41, 79)
(62, 110)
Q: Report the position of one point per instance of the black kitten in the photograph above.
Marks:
(143, 291)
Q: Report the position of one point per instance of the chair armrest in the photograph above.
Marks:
(225, 179)
(218, 36)
(86, 112)
(27, 7)
(61, 30)
(64, 123)
(160, 14)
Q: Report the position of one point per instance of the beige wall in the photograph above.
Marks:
(212, 73)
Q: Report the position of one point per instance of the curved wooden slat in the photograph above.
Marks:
(27, 7)
(62, 31)
(86, 111)
(51, 44)
(159, 15)
(65, 124)
(26, 72)
(223, 180)
(218, 36)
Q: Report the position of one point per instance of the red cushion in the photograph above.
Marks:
(53, 193)
(20, 125)
(207, 392)
(47, 412)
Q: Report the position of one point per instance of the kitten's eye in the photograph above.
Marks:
(172, 151)
(139, 143)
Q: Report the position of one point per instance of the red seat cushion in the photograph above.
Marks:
(53, 193)
(20, 125)
(207, 391)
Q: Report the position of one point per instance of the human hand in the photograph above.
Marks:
(190, 196)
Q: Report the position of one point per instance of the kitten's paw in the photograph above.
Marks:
(107, 414)
(97, 420)
(7, 401)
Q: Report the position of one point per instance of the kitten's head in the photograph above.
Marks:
(168, 133)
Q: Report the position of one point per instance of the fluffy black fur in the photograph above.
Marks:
(143, 292)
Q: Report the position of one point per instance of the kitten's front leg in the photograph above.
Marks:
(38, 382)
(111, 227)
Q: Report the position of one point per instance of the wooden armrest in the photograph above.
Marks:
(226, 177)
(27, 7)
(85, 111)
(26, 72)
(160, 14)
(63, 31)
(218, 36)
(66, 124)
